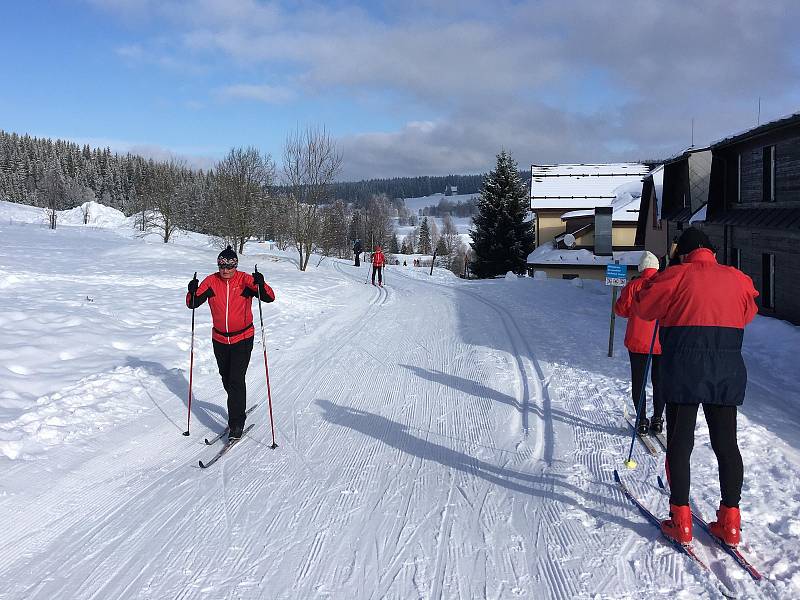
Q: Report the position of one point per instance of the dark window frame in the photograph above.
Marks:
(768, 174)
(736, 258)
(768, 280)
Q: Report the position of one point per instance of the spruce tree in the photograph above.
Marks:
(502, 238)
(424, 238)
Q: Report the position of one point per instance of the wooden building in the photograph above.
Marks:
(674, 195)
(753, 214)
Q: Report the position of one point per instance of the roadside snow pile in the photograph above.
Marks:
(94, 214)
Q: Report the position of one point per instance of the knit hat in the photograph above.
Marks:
(648, 261)
(228, 258)
(692, 239)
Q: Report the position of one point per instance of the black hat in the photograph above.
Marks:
(692, 239)
(228, 258)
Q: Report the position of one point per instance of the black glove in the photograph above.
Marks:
(193, 285)
(258, 279)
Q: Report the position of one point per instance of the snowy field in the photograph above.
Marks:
(420, 202)
(438, 438)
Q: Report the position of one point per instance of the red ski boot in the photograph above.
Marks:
(679, 526)
(728, 525)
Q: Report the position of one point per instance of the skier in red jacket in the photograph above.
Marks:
(702, 308)
(378, 261)
(638, 336)
(230, 296)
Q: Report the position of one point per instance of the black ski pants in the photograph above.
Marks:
(681, 420)
(233, 360)
(638, 363)
(379, 270)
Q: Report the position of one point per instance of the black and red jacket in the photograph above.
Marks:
(378, 259)
(702, 308)
(231, 303)
(639, 332)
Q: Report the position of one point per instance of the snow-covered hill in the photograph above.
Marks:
(437, 438)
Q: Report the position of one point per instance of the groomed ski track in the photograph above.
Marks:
(433, 443)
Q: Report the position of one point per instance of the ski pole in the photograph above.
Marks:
(266, 366)
(191, 363)
(630, 463)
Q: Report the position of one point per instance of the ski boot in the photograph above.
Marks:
(728, 525)
(656, 426)
(235, 433)
(679, 526)
(643, 426)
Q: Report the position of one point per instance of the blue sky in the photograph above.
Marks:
(406, 88)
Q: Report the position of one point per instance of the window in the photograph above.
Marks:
(739, 179)
(768, 174)
(768, 280)
(736, 258)
(654, 203)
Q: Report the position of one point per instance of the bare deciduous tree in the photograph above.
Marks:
(54, 191)
(310, 164)
(168, 197)
(242, 181)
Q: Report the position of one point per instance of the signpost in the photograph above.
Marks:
(616, 277)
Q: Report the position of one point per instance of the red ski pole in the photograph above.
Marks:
(191, 363)
(266, 366)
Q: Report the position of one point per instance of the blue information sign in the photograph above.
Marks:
(616, 275)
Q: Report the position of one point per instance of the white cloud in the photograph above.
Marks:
(261, 93)
(549, 80)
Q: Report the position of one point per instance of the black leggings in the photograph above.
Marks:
(233, 360)
(638, 362)
(681, 419)
(380, 274)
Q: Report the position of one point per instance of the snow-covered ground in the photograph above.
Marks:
(438, 438)
(418, 203)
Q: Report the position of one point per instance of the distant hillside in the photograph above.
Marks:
(358, 192)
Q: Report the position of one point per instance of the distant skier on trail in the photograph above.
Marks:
(357, 250)
(638, 336)
(230, 296)
(378, 261)
(702, 308)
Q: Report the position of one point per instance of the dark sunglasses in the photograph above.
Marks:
(226, 267)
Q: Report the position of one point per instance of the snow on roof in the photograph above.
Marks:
(547, 255)
(699, 216)
(580, 185)
(627, 199)
(658, 185)
(785, 120)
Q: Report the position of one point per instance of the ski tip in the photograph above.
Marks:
(616, 476)
(202, 466)
(186, 433)
(208, 443)
(661, 483)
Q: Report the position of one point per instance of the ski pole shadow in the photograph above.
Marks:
(176, 382)
(549, 487)
(473, 388)
(467, 386)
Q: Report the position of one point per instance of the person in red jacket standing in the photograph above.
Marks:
(230, 296)
(378, 261)
(702, 308)
(638, 337)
